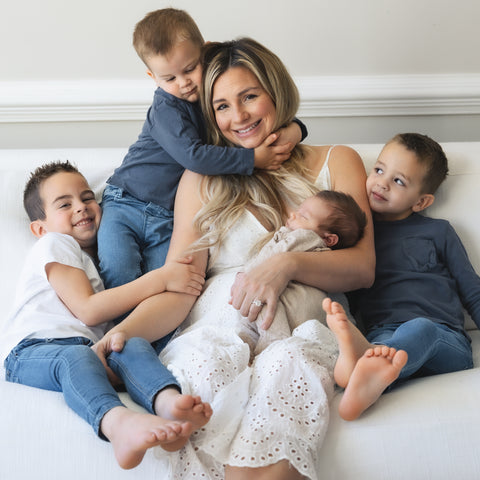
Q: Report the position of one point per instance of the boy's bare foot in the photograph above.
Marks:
(132, 434)
(373, 373)
(172, 404)
(351, 343)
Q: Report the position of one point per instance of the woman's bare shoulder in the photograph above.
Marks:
(347, 171)
(191, 177)
(189, 183)
(316, 155)
(343, 158)
(345, 151)
(188, 192)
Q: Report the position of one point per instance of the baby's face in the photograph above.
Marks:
(311, 215)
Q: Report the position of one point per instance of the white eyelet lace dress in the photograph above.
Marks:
(275, 408)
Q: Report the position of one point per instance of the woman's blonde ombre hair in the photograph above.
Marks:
(225, 197)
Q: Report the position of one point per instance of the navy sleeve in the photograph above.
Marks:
(468, 281)
(177, 131)
(303, 128)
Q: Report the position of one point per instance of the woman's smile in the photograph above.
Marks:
(244, 111)
(248, 129)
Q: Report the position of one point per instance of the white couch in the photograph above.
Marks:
(427, 429)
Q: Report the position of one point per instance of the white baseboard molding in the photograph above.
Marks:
(92, 100)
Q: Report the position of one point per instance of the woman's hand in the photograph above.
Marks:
(264, 283)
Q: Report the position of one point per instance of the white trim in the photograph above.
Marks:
(74, 100)
(390, 95)
(338, 96)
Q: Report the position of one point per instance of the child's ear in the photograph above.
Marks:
(423, 202)
(330, 239)
(37, 228)
(150, 74)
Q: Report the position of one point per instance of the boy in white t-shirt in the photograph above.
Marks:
(62, 309)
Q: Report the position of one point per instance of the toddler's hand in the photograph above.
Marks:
(182, 277)
(269, 155)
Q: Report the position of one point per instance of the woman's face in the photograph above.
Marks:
(244, 112)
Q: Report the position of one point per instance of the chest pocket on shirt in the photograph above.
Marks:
(420, 253)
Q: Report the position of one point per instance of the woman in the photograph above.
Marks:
(270, 416)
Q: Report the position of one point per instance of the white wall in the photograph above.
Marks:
(365, 68)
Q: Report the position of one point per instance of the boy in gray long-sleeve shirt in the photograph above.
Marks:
(412, 315)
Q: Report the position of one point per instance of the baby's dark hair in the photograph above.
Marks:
(428, 153)
(347, 219)
(32, 200)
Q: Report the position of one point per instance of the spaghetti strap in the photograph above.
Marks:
(323, 181)
(328, 154)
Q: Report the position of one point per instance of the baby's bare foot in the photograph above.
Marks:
(373, 373)
(132, 434)
(351, 343)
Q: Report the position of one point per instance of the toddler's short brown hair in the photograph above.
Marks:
(159, 31)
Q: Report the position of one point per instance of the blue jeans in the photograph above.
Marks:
(70, 366)
(432, 348)
(133, 238)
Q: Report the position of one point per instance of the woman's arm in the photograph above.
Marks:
(350, 268)
(334, 271)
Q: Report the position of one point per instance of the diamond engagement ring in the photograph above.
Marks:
(258, 303)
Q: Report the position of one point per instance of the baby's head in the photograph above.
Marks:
(335, 216)
(170, 43)
(57, 198)
(405, 177)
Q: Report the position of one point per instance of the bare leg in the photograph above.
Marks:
(373, 373)
(173, 405)
(351, 342)
(132, 434)
(278, 471)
